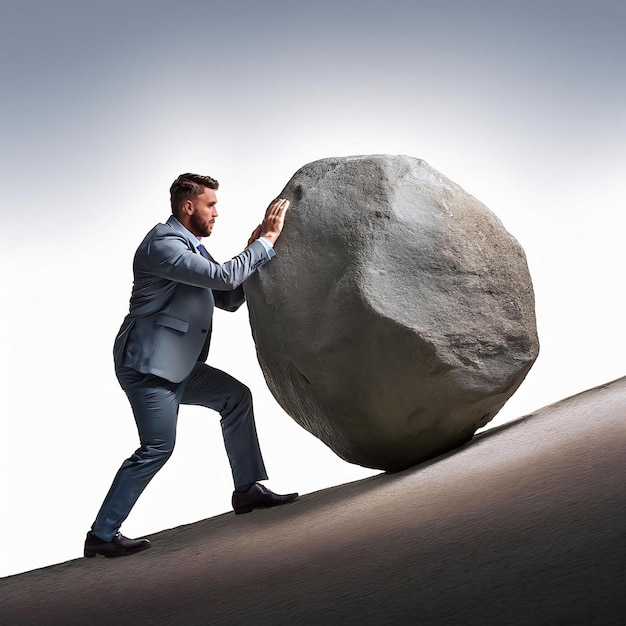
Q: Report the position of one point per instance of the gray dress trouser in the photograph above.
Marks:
(155, 403)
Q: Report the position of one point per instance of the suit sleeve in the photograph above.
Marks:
(168, 256)
(229, 300)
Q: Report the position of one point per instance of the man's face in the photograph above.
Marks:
(204, 209)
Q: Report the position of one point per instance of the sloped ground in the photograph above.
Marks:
(524, 525)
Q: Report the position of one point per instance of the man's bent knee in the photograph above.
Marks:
(153, 453)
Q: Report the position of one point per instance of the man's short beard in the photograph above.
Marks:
(199, 227)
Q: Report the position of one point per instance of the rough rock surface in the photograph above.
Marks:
(398, 316)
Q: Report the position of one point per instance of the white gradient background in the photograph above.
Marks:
(103, 104)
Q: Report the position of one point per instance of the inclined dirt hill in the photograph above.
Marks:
(526, 524)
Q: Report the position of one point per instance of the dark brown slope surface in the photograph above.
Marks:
(524, 525)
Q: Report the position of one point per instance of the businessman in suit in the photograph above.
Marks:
(161, 347)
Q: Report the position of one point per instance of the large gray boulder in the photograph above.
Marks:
(398, 315)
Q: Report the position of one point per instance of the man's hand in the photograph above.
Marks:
(256, 233)
(272, 224)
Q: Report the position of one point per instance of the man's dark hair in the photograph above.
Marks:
(189, 186)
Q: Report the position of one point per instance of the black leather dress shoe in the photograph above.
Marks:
(118, 546)
(259, 497)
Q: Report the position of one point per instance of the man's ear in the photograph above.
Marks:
(188, 206)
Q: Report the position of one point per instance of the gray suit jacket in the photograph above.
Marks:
(168, 328)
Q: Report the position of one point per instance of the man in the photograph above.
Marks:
(160, 350)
